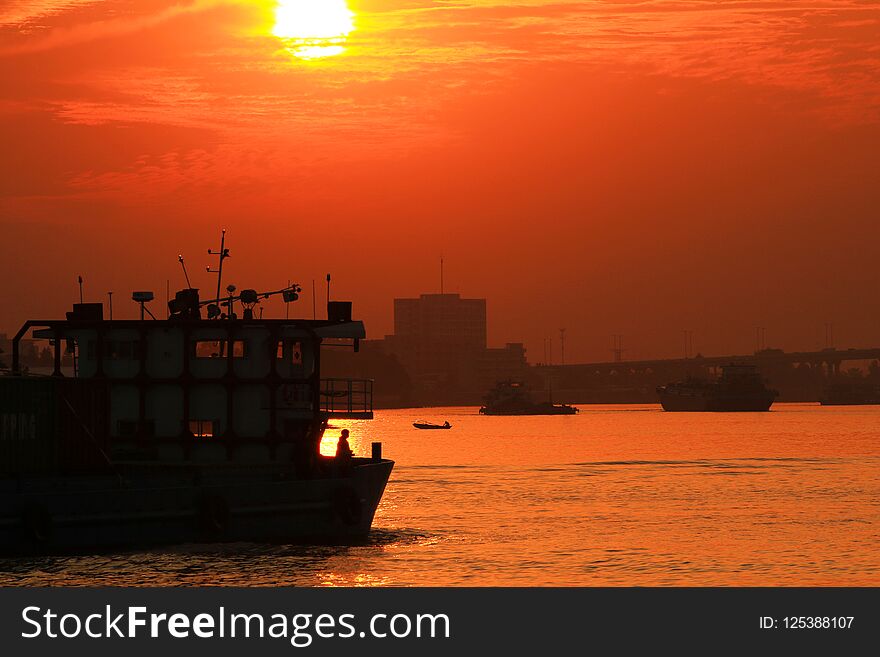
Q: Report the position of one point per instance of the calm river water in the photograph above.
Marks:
(617, 495)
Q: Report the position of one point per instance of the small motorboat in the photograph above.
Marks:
(432, 425)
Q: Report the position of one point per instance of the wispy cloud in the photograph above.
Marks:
(65, 36)
(409, 60)
(20, 13)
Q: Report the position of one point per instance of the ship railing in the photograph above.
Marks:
(348, 398)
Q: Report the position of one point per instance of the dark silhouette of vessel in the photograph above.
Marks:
(432, 425)
(185, 429)
(851, 393)
(514, 398)
(739, 388)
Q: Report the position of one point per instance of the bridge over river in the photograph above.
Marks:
(799, 376)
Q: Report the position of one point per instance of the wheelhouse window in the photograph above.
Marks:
(122, 349)
(116, 349)
(217, 348)
(290, 351)
(201, 428)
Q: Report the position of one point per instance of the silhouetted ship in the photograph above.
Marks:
(851, 393)
(513, 398)
(739, 388)
(186, 429)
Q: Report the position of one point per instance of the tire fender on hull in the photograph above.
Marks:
(213, 517)
(37, 523)
(347, 505)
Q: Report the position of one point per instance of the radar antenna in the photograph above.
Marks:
(142, 298)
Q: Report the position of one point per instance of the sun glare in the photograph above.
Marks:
(313, 28)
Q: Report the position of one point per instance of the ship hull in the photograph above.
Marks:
(851, 393)
(74, 515)
(716, 404)
(569, 410)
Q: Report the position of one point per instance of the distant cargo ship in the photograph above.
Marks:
(513, 398)
(739, 388)
(851, 393)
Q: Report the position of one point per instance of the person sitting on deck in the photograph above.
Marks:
(343, 449)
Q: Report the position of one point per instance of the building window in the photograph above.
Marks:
(201, 428)
(217, 348)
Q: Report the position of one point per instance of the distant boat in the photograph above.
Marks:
(431, 425)
(514, 398)
(740, 388)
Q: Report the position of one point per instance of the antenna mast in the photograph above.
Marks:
(688, 343)
(562, 344)
(185, 275)
(223, 253)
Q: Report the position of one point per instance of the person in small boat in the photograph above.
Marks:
(343, 449)
(446, 424)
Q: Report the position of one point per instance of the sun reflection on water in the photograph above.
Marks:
(333, 580)
(313, 29)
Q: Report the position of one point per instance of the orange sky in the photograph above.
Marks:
(612, 167)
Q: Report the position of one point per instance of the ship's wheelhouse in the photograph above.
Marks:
(247, 390)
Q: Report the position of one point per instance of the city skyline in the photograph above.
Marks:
(582, 344)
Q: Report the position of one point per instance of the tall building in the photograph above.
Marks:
(437, 355)
(439, 339)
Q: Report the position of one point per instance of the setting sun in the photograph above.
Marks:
(313, 28)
